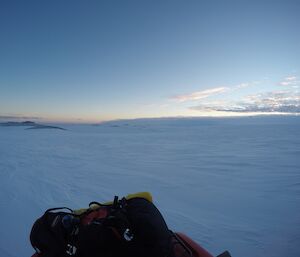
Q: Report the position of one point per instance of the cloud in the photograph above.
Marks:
(200, 94)
(276, 101)
(17, 117)
(242, 85)
(291, 78)
(270, 102)
(290, 81)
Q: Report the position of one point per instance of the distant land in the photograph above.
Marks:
(29, 125)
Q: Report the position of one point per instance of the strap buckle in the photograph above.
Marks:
(71, 250)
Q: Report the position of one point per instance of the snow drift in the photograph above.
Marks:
(228, 183)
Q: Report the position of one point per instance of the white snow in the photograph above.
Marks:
(228, 183)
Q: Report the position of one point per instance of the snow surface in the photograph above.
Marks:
(228, 183)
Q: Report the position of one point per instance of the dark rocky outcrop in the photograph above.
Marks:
(29, 125)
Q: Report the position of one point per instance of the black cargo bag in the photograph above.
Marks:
(133, 228)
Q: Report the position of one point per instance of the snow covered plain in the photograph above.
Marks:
(228, 183)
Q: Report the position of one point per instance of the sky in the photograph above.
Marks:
(89, 61)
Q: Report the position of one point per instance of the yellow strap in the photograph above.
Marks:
(145, 195)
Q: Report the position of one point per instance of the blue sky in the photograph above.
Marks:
(98, 60)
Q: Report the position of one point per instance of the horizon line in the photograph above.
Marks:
(11, 118)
